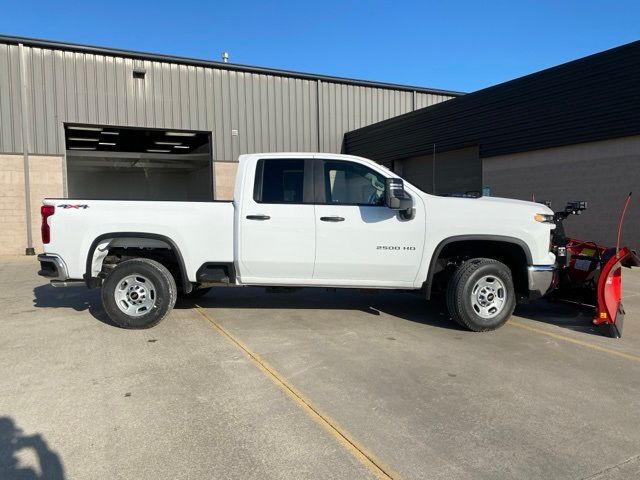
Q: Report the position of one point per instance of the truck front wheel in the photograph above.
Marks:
(480, 294)
(138, 293)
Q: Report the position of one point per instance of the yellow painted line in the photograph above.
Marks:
(343, 437)
(610, 351)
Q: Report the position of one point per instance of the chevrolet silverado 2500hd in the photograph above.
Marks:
(303, 220)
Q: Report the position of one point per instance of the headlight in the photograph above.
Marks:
(544, 218)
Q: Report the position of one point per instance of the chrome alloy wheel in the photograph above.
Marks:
(135, 295)
(488, 296)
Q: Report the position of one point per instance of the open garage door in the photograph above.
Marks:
(138, 164)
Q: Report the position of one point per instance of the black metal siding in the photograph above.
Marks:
(593, 98)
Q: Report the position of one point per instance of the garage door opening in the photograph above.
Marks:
(117, 163)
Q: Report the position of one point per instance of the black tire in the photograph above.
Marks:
(463, 303)
(161, 292)
(195, 293)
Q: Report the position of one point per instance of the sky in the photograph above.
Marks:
(452, 45)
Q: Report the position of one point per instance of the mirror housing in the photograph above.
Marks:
(395, 196)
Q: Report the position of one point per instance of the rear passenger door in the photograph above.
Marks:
(276, 223)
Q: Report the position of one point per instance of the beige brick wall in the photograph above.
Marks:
(45, 174)
(225, 177)
(13, 233)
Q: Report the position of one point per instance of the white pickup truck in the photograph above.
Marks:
(303, 220)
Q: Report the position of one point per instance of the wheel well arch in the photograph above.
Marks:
(159, 240)
(511, 251)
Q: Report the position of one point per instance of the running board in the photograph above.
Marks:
(68, 283)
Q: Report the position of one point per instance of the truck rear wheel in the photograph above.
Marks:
(138, 293)
(480, 294)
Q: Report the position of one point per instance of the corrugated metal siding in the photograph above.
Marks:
(270, 113)
(426, 100)
(594, 98)
(347, 107)
(10, 107)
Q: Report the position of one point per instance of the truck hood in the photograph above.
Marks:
(513, 202)
(488, 210)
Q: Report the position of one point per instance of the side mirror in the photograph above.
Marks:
(394, 195)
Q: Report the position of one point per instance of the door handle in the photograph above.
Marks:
(258, 217)
(333, 218)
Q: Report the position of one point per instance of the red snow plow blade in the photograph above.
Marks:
(591, 274)
(609, 310)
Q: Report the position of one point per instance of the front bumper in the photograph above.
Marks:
(542, 278)
(52, 267)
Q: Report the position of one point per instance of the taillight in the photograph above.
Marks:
(46, 211)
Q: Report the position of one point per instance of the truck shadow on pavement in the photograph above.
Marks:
(76, 298)
(402, 305)
(406, 306)
(15, 447)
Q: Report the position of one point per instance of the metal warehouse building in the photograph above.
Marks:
(90, 122)
(571, 132)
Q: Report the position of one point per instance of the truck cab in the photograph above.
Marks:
(323, 221)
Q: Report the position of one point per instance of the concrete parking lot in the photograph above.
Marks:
(311, 384)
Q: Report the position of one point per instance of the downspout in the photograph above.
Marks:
(25, 149)
(318, 116)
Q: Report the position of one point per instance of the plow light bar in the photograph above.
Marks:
(576, 207)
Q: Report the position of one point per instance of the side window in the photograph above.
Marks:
(353, 184)
(279, 181)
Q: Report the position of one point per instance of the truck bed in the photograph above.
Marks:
(202, 231)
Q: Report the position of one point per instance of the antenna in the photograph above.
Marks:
(225, 57)
(624, 210)
(433, 171)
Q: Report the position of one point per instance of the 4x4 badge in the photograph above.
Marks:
(71, 205)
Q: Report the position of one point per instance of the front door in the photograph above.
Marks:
(277, 224)
(358, 238)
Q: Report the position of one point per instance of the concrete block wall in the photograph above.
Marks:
(224, 178)
(602, 173)
(13, 230)
(46, 179)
